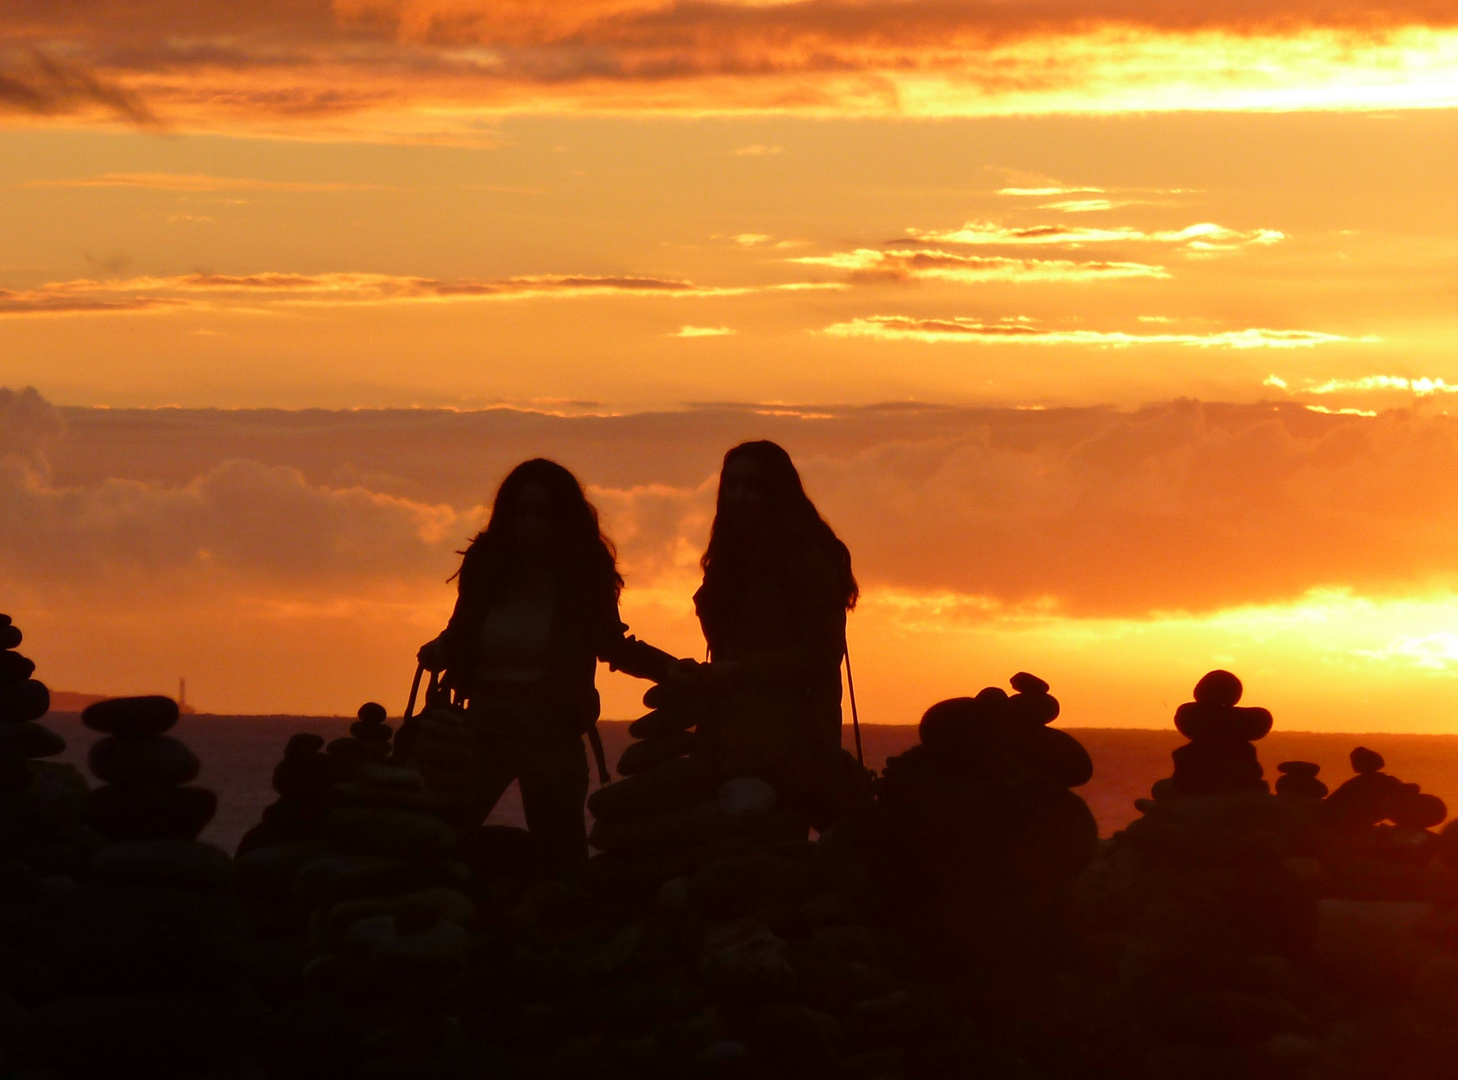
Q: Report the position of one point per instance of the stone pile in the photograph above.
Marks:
(1373, 796)
(978, 828)
(1220, 756)
(144, 950)
(39, 800)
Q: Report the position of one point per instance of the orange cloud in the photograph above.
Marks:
(1017, 332)
(1205, 236)
(428, 69)
(870, 264)
(192, 182)
(88, 296)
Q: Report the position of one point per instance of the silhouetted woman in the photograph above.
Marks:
(537, 608)
(777, 586)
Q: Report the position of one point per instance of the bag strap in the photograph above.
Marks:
(855, 713)
(595, 739)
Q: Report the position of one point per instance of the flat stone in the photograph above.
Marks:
(746, 796)
(662, 723)
(1034, 708)
(743, 963)
(1417, 810)
(1062, 757)
(185, 865)
(1218, 687)
(29, 741)
(672, 785)
(1366, 761)
(268, 872)
(1213, 768)
(132, 716)
(151, 760)
(307, 777)
(1299, 768)
(390, 777)
(369, 731)
(669, 831)
(1208, 721)
(1024, 683)
(642, 756)
(396, 833)
(1308, 787)
(150, 812)
(14, 667)
(372, 712)
(10, 637)
(332, 878)
(21, 701)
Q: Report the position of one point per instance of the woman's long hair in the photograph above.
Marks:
(791, 528)
(583, 558)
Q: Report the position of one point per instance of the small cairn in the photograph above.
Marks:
(1299, 779)
(145, 949)
(38, 799)
(1220, 756)
(980, 824)
(1373, 796)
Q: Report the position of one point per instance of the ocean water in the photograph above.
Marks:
(239, 753)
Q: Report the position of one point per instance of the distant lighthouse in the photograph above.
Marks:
(182, 705)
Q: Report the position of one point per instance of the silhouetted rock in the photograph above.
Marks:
(1219, 757)
(10, 636)
(134, 717)
(1299, 778)
(29, 741)
(14, 667)
(1374, 796)
(28, 699)
(132, 761)
(150, 811)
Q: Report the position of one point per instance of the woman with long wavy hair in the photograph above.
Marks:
(776, 590)
(537, 609)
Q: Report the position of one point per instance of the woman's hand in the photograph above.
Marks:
(432, 655)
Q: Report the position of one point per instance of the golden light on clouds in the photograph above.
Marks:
(1019, 332)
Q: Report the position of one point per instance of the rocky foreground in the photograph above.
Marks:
(961, 918)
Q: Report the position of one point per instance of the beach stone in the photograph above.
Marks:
(15, 668)
(793, 1036)
(307, 775)
(746, 796)
(332, 878)
(153, 760)
(22, 701)
(268, 872)
(131, 717)
(1300, 784)
(396, 833)
(1371, 944)
(372, 712)
(442, 944)
(1062, 757)
(646, 754)
(1024, 683)
(1299, 768)
(950, 728)
(672, 785)
(1366, 761)
(1218, 687)
(744, 963)
(1205, 721)
(662, 724)
(500, 851)
(1034, 708)
(1364, 800)
(29, 741)
(185, 865)
(149, 812)
(10, 636)
(1417, 810)
(1213, 768)
(402, 778)
(673, 829)
(733, 887)
(370, 732)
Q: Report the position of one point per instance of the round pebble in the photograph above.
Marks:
(28, 700)
(10, 637)
(372, 712)
(1366, 761)
(1218, 687)
(1025, 683)
(15, 668)
(157, 759)
(27, 740)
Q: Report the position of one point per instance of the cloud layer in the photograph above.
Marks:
(1095, 512)
(1020, 332)
(415, 65)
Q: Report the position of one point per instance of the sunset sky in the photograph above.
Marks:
(1115, 338)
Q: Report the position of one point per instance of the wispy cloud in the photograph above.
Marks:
(1023, 332)
(1422, 387)
(1084, 206)
(1205, 236)
(1043, 192)
(88, 296)
(702, 331)
(873, 264)
(192, 182)
(35, 84)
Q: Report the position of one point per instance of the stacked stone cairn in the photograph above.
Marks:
(144, 950)
(372, 867)
(1233, 932)
(39, 800)
(979, 823)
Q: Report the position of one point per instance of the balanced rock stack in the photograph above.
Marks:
(1373, 796)
(23, 700)
(1219, 757)
(1299, 778)
(978, 820)
(368, 740)
(147, 808)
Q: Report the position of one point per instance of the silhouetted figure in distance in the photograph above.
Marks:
(537, 608)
